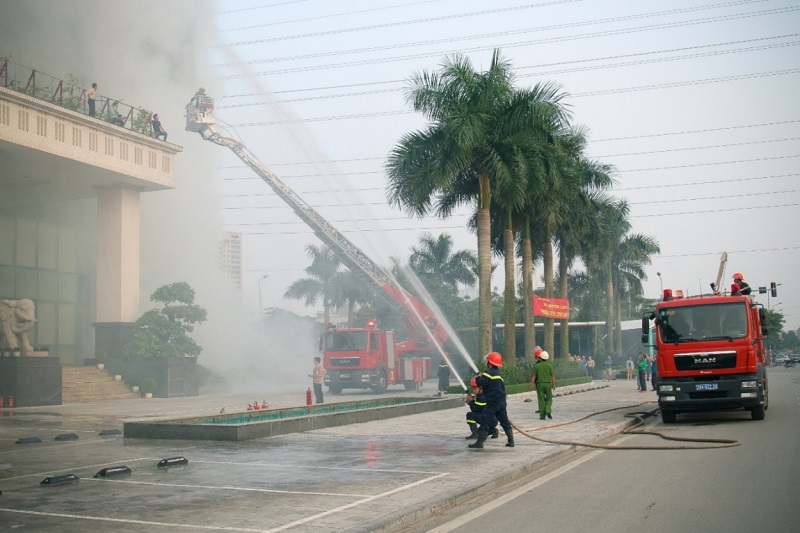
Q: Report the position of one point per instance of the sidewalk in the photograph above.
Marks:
(375, 476)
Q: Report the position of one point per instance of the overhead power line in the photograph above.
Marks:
(595, 93)
(494, 45)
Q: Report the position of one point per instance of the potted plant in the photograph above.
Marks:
(116, 368)
(148, 387)
(134, 379)
(100, 358)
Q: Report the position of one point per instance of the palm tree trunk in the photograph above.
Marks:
(563, 332)
(609, 310)
(485, 268)
(510, 293)
(527, 288)
(549, 326)
(618, 323)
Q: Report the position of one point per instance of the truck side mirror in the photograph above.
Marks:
(321, 343)
(762, 315)
(645, 339)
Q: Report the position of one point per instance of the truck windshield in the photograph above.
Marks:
(346, 341)
(703, 322)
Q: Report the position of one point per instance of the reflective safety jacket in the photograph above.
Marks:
(494, 388)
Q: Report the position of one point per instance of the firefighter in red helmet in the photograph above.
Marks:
(744, 288)
(494, 390)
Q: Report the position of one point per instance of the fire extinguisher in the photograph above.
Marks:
(308, 396)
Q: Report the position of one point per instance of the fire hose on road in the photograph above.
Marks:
(640, 417)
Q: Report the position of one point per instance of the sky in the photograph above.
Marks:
(693, 102)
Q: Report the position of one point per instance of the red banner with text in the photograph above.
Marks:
(551, 307)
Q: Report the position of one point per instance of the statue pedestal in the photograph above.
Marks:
(32, 381)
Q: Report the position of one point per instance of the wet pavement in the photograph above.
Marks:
(375, 476)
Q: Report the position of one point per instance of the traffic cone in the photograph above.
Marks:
(308, 396)
(264, 405)
(249, 407)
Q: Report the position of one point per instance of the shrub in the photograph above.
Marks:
(148, 385)
(116, 366)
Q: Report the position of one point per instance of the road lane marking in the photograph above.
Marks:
(132, 521)
(465, 519)
(354, 504)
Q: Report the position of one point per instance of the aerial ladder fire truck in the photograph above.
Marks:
(710, 351)
(358, 358)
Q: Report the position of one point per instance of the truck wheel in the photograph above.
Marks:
(382, 383)
(757, 412)
(668, 417)
(336, 390)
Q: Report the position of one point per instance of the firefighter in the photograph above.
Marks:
(494, 389)
(476, 402)
(443, 373)
(744, 288)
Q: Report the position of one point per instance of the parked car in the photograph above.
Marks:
(781, 358)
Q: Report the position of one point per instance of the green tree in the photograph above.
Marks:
(464, 151)
(433, 261)
(319, 284)
(165, 332)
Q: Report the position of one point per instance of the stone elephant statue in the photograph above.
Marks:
(17, 318)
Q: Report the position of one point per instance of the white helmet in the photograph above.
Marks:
(544, 355)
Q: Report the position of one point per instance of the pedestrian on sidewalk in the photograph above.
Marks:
(590, 367)
(443, 373)
(544, 379)
(494, 389)
(318, 375)
(608, 369)
(629, 367)
(642, 367)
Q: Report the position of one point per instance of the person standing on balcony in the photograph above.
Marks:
(158, 131)
(91, 99)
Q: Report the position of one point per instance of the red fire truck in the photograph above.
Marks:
(357, 358)
(710, 354)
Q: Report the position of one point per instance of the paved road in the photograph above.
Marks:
(750, 487)
(376, 476)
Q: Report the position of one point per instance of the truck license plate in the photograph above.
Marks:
(707, 386)
(344, 376)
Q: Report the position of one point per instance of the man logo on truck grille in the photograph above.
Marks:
(704, 360)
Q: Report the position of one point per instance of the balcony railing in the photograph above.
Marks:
(71, 95)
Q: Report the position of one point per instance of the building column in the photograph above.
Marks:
(118, 233)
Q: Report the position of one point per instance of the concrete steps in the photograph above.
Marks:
(89, 384)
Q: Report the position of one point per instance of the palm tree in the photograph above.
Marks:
(464, 152)
(319, 283)
(627, 263)
(433, 259)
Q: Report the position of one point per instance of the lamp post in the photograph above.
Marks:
(661, 282)
(260, 305)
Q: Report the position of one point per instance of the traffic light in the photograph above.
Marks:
(773, 289)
